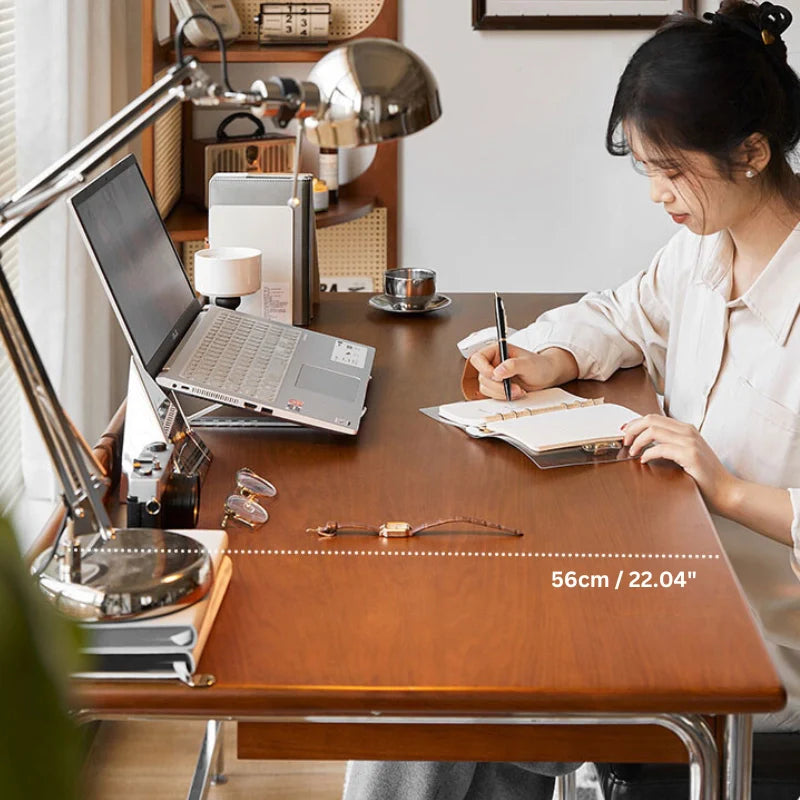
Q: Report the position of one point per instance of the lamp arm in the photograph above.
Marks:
(184, 81)
(60, 177)
(79, 488)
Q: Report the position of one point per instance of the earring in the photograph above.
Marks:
(751, 173)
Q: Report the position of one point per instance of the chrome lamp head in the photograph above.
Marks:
(371, 91)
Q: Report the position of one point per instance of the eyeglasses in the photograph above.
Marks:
(242, 507)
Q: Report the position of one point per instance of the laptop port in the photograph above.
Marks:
(250, 405)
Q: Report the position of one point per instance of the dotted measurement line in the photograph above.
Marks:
(410, 554)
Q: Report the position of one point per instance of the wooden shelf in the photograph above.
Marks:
(346, 210)
(253, 52)
(188, 222)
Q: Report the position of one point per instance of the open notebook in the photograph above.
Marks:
(542, 421)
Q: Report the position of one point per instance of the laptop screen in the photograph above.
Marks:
(138, 263)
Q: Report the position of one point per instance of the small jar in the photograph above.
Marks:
(320, 195)
(329, 171)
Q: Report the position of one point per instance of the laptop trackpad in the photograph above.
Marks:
(326, 381)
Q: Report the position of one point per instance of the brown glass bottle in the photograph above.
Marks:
(329, 171)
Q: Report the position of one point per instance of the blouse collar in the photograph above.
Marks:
(774, 296)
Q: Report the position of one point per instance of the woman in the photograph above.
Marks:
(710, 111)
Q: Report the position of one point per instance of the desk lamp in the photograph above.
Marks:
(365, 92)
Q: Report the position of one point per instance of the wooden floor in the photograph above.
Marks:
(155, 761)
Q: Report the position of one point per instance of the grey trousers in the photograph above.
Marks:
(451, 780)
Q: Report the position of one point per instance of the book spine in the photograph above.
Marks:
(532, 412)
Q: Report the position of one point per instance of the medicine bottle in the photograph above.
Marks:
(329, 171)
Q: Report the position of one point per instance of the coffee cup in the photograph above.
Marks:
(409, 287)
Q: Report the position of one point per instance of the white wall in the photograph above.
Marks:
(512, 189)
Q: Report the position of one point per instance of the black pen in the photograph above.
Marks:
(500, 319)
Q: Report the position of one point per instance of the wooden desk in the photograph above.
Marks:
(454, 643)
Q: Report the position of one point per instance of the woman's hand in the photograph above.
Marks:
(528, 371)
(683, 444)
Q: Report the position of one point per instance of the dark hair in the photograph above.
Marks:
(707, 87)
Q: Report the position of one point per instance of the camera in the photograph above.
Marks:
(159, 497)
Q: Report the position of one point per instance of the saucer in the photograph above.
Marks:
(382, 302)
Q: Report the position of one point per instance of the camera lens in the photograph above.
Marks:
(180, 502)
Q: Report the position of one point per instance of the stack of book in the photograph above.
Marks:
(165, 647)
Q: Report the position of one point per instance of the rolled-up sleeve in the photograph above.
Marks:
(794, 495)
(608, 330)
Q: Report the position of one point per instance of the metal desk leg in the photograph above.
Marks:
(210, 756)
(567, 786)
(737, 757)
(703, 757)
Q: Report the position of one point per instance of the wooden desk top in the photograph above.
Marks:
(460, 622)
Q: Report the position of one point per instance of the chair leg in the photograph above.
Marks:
(567, 786)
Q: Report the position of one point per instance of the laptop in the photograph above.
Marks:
(206, 351)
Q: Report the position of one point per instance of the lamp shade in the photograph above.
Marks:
(372, 90)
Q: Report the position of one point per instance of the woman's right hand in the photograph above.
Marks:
(528, 371)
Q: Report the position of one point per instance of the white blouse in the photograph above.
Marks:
(729, 367)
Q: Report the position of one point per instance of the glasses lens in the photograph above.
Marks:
(246, 510)
(255, 484)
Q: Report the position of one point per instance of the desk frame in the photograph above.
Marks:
(691, 729)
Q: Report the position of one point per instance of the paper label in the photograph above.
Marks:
(354, 355)
(276, 302)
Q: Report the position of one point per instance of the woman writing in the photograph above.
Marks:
(710, 112)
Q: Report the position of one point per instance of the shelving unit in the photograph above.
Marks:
(372, 195)
(252, 52)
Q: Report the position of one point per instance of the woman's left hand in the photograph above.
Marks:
(683, 444)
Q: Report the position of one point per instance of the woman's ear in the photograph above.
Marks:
(754, 154)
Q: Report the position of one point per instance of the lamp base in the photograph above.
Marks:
(138, 572)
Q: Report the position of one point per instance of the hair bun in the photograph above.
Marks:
(773, 21)
(763, 24)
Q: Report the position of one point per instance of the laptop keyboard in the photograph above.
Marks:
(243, 356)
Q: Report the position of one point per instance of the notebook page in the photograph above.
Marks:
(475, 412)
(570, 428)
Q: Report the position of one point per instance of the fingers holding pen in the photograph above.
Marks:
(492, 371)
(496, 389)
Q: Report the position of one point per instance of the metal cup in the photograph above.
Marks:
(410, 288)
